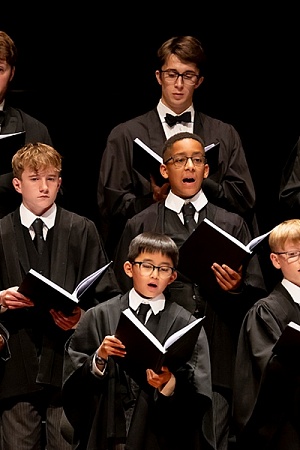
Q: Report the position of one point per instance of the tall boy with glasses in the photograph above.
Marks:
(122, 192)
(107, 409)
(185, 167)
(267, 387)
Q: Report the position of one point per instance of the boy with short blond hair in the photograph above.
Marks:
(72, 249)
(266, 388)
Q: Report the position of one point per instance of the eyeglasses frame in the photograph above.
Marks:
(139, 263)
(187, 158)
(181, 75)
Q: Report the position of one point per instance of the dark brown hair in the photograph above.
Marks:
(153, 242)
(187, 48)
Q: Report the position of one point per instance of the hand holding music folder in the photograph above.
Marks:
(47, 294)
(210, 244)
(144, 351)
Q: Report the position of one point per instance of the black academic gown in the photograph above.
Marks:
(36, 343)
(122, 192)
(289, 192)
(266, 392)
(224, 312)
(15, 121)
(94, 406)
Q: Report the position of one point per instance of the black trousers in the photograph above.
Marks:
(32, 422)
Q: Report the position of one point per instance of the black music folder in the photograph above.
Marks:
(209, 244)
(47, 294)
(144, 351)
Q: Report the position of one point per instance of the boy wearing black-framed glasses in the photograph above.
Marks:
(105, 406)
(180, 71)
(185, 168)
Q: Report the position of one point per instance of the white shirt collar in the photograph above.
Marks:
(157, 303)
(292, 289)
(176, 203)
(27, 217)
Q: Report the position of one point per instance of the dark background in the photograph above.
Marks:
(82, 71)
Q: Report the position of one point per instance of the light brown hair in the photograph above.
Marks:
(286, 230)
(8, 49)
(37, 156)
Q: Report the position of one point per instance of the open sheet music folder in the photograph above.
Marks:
(144, 350)
(47, 294)
(210, 244)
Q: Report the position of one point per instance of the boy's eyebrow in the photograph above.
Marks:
(38, 174)
(42, 170)
(163, 263)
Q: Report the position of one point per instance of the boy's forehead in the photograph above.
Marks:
(187, 144)
(42, 170)
(291, 242)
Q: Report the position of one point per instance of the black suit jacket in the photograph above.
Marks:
(122, 192)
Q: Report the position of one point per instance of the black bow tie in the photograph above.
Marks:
(172, 120)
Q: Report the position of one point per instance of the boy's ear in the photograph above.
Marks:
(128, 268)
(164, 171)
(206, 171)
(275, 260)
(199, 82)
(173, 277)
(17, 185)
(12, 73)
(158, 77)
